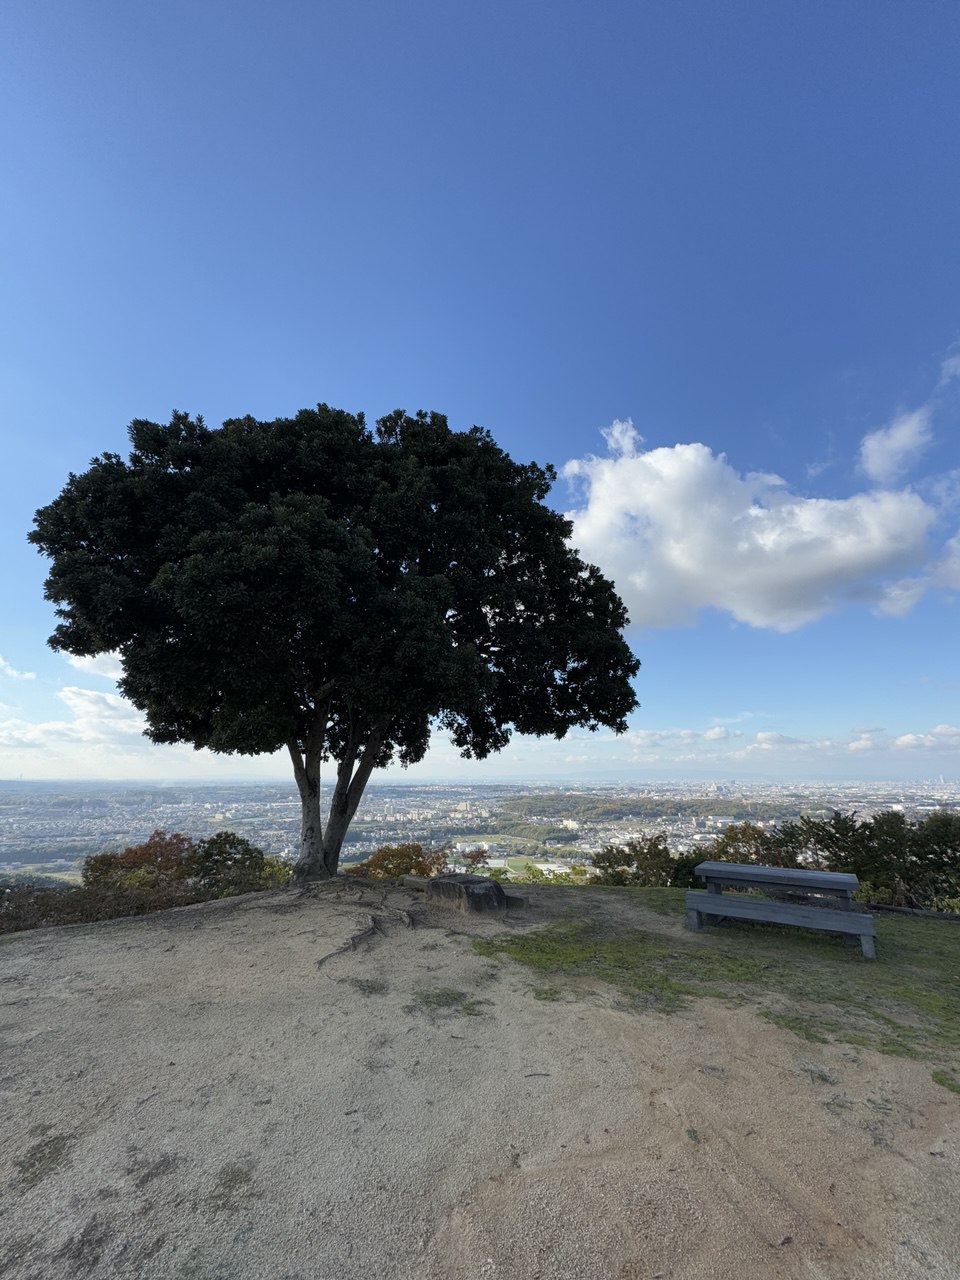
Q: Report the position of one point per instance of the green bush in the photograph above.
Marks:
(644, 861)
(164, 871)
(870, 892)
(276, 873)
(226, 864)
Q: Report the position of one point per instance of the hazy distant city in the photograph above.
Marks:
(51, 827)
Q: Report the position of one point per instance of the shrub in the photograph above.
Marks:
(226, 864)
(613, 865)
(394, 860)
(159, 861)
(870, 892)
(100, 869)
(475, 861)
(276, 873)
(683, 871)
(165, 871)
(29, 908)
(646, 861)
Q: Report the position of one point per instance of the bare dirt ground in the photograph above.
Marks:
(193, 1096)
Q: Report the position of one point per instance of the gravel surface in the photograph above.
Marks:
(337, 1085)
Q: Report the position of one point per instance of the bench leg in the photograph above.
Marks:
(867, 947)
(694, 920)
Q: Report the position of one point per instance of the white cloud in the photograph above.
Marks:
(102, 714)
(7, 670)
(940, 737)
(102, 664)
(98, 719)
(776, 749)
(102, 737)
(679, 530)
(768, 740)
(946, 572)
(950, 369)
(887, 453)
(899, 597)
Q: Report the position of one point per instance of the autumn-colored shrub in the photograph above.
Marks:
(27, 907)
(393, 860)
(161, 860)
(164, 871)
(475, 861)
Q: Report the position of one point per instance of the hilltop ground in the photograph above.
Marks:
(232, 1091)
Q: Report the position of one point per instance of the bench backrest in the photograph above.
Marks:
(749, 873)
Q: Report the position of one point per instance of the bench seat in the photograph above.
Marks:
(738, 906)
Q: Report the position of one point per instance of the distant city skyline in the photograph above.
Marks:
(700, 258)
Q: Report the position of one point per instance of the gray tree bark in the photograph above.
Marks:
(321, 842)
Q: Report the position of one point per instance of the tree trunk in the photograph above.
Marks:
(310, 864)
(320, 843)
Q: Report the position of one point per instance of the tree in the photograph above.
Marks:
(226, 864)
(161, 860)
(310, 584)
(738, 842)
(645, 860)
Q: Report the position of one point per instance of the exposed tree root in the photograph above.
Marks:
(374, 929)
(363, 935)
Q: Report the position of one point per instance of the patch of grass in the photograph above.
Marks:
(666, 902)
(802, 1026)
(906, 1003)
(947, 1080)
(234, 1184)
(547, 993)
(370, 986)
(447, 999)
(45, 1158)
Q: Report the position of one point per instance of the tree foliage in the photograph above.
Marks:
(392, 861)
(159, 860)
(645, 860)
(915, 864)
(310, 584)
(226, 864)
(218, 866)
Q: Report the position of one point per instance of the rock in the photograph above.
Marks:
(467, 892)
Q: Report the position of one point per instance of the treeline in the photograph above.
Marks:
(164, 871)
(897, 861)
(542, 832)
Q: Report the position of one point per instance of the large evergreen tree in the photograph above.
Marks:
(308, 583)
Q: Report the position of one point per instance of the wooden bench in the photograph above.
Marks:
(810, 899)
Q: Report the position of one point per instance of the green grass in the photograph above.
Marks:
(906, 1003)
(370, 986)
(948, 1081)
(448, 1000)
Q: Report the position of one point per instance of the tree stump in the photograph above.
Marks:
(467, 892)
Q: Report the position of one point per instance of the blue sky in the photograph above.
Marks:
(703, 258)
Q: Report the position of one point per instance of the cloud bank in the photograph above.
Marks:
(680, 530)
